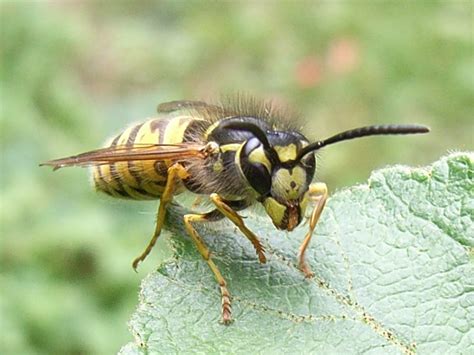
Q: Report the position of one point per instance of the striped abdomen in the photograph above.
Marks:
(141, 180)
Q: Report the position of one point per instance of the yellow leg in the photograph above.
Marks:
(174, 172)
(204, 251)
(227, 211)
(318, 192)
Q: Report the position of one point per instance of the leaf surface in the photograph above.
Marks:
(393, 273)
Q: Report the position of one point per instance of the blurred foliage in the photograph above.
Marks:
(73, 73)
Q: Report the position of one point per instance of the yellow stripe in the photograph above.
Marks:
(107, 176)
(286, 152)
(175, 128)
(129, 182)
(230, 147)
(110, 185)
(146, 169)
(258, 156)
(95, 177)
(135, 194)
(99, 183)
(211, 128)
(174, 133)
(146, 136)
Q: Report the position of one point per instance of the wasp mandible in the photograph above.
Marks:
(238, 155)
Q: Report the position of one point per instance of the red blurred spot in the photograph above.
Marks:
(309, 72)
(343, 56)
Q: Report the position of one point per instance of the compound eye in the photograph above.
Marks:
(253, 167)
(309, 164)
(250, 146)
(309, 161)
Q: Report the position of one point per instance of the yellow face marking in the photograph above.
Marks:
(258, 156)
(275, 210)
(289, 184)
(286, 152)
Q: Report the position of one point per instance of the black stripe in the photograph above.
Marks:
(114, 142)
(161, 169)
(144, 192)
(107, 192)
(115, 176)
(105, 186)
(123, 193)
(130, 165)
(159, 125)
(133, 135)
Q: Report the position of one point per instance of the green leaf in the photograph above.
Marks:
(394, 274)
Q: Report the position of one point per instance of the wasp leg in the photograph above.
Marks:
(204, 251)
(174, 172)
(225, 208)
(318, 192)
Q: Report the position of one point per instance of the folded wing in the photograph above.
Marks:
(137, 152)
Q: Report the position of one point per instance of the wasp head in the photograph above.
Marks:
(280, 165)
(278, 177)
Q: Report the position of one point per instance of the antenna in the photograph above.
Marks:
(363, 132)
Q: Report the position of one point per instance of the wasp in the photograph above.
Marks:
(237, 155)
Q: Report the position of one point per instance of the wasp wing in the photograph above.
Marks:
(171, 106)
(136, 152)
(200, 108)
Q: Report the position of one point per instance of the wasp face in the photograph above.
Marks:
(286, 203)
(280, 180)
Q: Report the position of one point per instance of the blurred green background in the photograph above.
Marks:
(74, 73)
